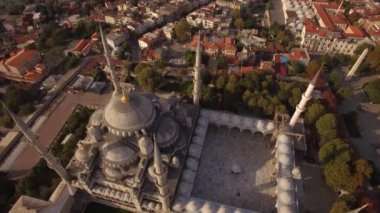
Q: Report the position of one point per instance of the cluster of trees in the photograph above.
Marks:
(147, 76)
(182, 30)
(280, 35)
(257, 93)
(342, 172)
(344, 93)
(20, 100)
(248, 17)
(53, 35)
(372, 90)
(42, 180)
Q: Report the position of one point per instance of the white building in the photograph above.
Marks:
(114, 39)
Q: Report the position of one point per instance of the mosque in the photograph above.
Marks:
(147, 154)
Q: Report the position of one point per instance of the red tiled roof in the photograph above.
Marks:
(19, 39)
(354, 31)
(298, 54)
(21, 58)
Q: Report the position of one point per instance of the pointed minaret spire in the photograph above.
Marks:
(109, 63)
(306, 96)
(32, 139)
(197, 73)
(161, 175)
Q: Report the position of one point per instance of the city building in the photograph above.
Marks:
(23, 66)
(332, 32)
(215, 46)
(115, 39)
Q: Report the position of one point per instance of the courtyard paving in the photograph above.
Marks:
(252, 188)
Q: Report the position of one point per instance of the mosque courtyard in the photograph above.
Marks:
(252, 188)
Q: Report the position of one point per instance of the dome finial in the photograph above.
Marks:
(124, 98)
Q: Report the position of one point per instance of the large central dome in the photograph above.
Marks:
(124, 117)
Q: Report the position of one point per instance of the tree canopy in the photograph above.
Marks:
(182, 30)
(314, 111)
(148, 79)
(325, 123)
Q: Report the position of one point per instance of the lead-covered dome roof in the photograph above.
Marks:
(126, 116)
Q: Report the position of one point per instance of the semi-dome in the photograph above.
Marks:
(167, 132)
(113, 173)
(125, 115)
(117, 154)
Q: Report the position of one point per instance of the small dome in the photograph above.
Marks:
(260, 125)
(118, 154)
(286, 197)
(145, 145)
(96, 117)
(284, 148)
(193, 206)
(296, 173)
(283, 138)
(285, 159)
(270, 126)
(81, 154)
(135, 114)
(285, 183)
(167, 132)
(208, 208)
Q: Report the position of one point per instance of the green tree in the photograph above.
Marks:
(338, 176)
(239, 23)
(372, 90)
(189, 57)
(335, 150)
(235, 13)
(339, 206)
(328, 136)
(345, 93)
(220, 82)
(182, 30)
(296, 68)
(148, 79)
(231, 86)
(325, 123)
(363, 171)
(312, 68)
(295, 97)
(221, 62)
(314, 111)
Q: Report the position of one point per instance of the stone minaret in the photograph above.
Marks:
(161, 172)
(357, 64)
(110, 66)
(306, 96)
(51, 160)
(197, 73)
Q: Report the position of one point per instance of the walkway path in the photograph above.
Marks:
(368, 122)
